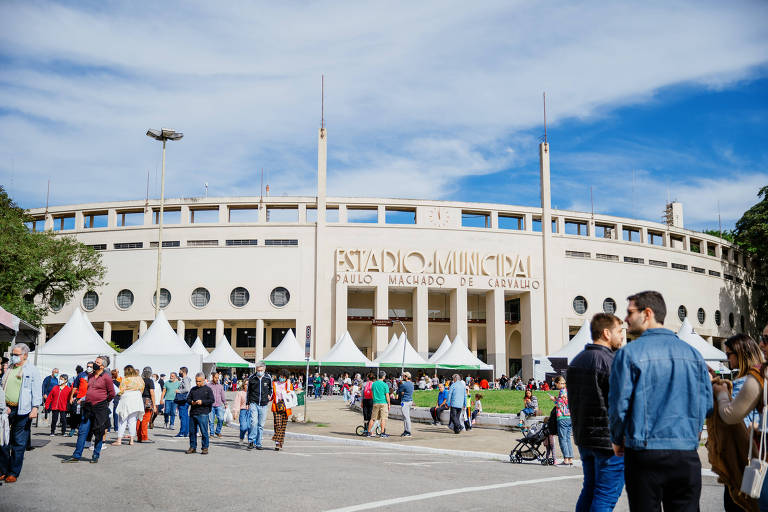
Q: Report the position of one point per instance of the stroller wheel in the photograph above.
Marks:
(545, 462)
(360, 430)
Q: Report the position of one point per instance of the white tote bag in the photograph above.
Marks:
(290, 399)
(754, 473)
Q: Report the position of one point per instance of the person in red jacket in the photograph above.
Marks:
(57, 402)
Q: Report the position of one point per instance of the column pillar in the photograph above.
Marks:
(421, 320)
(381, 214)
(219, 331)
(459, 314)
(112, 218)
(106, 332)
(495, 332)
(79, 220)
(340, 312)
(142, 327)
(472, 339)
(528, 222)
(494, 219)
(223, 214)
(381, 311)
(48, 222)
(259, 339)
(185, 217)
(180, 329)
(40, 338)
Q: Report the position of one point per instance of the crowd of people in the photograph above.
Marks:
(635, 412)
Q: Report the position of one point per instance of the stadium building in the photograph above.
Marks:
(514, 282)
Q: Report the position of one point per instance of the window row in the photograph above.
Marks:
(580, 306)
(198, 243)
(199, 298)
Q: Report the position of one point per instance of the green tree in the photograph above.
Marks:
(36, 268)
(725, 235)
(752, 236)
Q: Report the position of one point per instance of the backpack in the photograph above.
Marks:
(368, 390)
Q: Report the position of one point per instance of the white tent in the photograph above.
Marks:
(393, 356)
(287, 353)
(224, 356)
(345, 353)
(711, 355)
(576, 345)
(458, 356)
(198, 348)
(541, 367)
(389, 348)
(444, 346)
(161, 349)
(75, 344)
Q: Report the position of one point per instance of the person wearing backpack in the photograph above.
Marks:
(367, 401)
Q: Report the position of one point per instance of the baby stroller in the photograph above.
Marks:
(529, 447)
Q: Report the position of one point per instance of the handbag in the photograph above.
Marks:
(754, 473)
(147, 403)
(280, 406)
(290, 399)
(180, 398)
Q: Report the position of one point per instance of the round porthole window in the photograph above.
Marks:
(718, 317)
(279, 297)
(682, 312)
(125, 299)
(165, 298)
(701, 315)
(90, 300)
(200, 297)
(239, 297)
(580, 305)
(609, 306)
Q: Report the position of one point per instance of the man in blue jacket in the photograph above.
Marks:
(457, 399)
(659, 395)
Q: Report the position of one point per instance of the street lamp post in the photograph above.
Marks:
(162, 135)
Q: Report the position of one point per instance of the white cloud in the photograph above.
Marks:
(418, 95)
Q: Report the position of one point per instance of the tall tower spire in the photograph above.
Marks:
(546, 230)
(322, 157)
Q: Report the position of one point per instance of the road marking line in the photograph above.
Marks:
(448, 492)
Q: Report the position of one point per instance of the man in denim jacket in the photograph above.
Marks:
(660, 394)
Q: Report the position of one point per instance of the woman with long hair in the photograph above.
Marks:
(530, 404)
(240, 407)
(280, 412)
(564, 426)
(131, 405)
(148, 396)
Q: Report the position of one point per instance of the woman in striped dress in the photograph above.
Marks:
(280, 389)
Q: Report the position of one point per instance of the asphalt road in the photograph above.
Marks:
(306, 475)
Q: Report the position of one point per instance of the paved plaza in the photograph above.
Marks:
(325, 469)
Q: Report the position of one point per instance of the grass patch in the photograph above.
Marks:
(321, 424)
(500, 401)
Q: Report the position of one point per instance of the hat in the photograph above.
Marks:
(162, 375)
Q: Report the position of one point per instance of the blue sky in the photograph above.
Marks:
(434, 100)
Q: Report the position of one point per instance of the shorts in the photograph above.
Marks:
(380, 412)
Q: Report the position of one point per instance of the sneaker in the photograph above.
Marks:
(259, 447)
(70, 459)
(94, 461)
(218, 435)
(404, 434)
(52, 435)
(179, 435)
(383, 436)
(191, 450)
(407, 434)
(204, 451)
(250, 446)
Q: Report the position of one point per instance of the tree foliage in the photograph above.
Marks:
(751, 235)
(36, 268)
(725, 235)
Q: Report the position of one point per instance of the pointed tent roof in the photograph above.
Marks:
(393, 356)
(389, 348)
(541, 367)
(345, 353)
(224, 356)
(459, 356)
(288, 352)
(444, 346)
(76, 337)
(199, 348)
(159, 338)
(708, 352)
(576, 344)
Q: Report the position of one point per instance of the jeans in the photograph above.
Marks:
(406, 408)
(169, 412)
(668, 477)
(12, 454)
(245, 422)
(603, 481)
(198, 422)
(258, 418)
(217, 412)
(564, 429)
(82, 437)
(318, 390)
(346, 395)
(184, 419)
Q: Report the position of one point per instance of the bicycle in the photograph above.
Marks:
(360, 430)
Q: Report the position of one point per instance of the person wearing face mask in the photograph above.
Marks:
(181, 401)
(588, 376)
(22, 387)
(57, 402)
(259, 396)
(279, 411)
(95, 410)
(49, 383)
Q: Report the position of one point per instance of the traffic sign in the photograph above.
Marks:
(307, 344)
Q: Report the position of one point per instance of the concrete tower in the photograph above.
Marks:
(546, 239)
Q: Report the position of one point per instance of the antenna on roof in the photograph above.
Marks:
(322, 101)
(544, 95)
